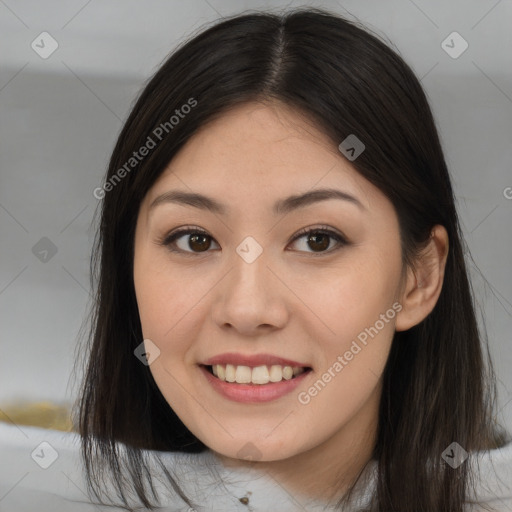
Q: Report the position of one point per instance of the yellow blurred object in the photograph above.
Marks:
(38, 414)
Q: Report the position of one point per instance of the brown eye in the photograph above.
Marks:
(319, 240)
(199, 242)
(188, 241)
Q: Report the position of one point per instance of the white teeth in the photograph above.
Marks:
(287, 372)
(257, 375)
(230, 373)
(243, 374)
(276, 373)
(221, 372)
(260, 375)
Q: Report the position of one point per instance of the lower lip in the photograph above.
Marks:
(253, 393)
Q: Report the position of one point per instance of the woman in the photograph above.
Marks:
(282, 297)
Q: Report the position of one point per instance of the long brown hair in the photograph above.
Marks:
(437, 386)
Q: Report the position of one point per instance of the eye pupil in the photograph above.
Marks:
(202, 246)
(324, 241)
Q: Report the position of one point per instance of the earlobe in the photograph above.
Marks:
(424, 283)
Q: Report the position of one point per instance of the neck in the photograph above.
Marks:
(328, 470)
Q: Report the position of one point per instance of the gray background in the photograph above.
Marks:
(60, 117)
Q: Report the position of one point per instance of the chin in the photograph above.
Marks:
(256, 450)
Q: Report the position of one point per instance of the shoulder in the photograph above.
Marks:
(493, 479)
(42, 469)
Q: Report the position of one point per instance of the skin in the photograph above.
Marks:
(293, 301)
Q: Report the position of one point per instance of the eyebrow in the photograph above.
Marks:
(281, 206)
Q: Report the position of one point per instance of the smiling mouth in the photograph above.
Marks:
(259, 375)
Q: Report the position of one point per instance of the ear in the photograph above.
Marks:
(423, 283)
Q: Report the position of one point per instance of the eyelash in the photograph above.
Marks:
(168, 240)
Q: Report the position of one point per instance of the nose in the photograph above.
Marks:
(250, 299)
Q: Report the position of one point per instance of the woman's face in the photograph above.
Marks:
(256, 293)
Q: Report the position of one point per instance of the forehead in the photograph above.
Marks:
(259, 149)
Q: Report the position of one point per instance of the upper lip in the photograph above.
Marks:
(251, 360)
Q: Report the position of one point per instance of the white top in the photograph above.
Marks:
(48, 477)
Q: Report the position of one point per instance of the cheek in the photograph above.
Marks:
(360, 317)
(166, 311)
(352, 297)
(357, 309)
(173, 305)
(163, 297)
